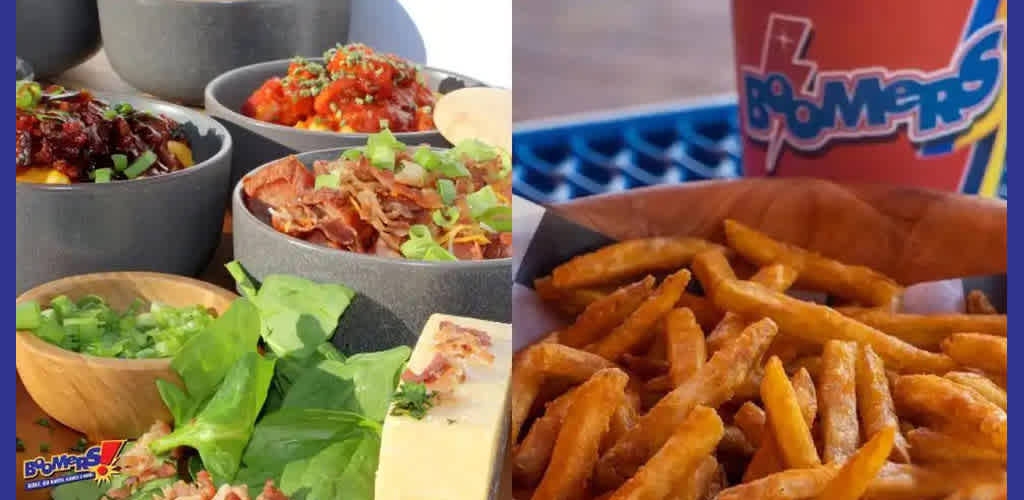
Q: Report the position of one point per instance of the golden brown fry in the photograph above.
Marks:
(622, 420)
(530, 458)
(985, 386)
(874, 402)
(792, 484)
(534, 364)
(660, 384)
(676, 461)
(975, 350)
(627, 259)
(914, 482)
(856, 475)
(701, 484)
(810, 363)
(986, 491)
(927, 331)
(711, 267)
(707, 314)
(950, 407)
(639, 326)
(711, 386)
(767, 459)
(684, 342)
(837, 393)
(576, 448)
(978, 303)
(789, 348)
(857, 283)
(750, 418)
(793, 436)
(818, 323)
(927, 445)
(569, 302)
(644, 366)
(604, 314)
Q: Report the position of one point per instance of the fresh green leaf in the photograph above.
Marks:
(205, 358)
(298, 314)
(245, 283)
(79, 490)
(299, 433)
(414, 400)
(344, 469)
(181, 406)
(222, 429)
(363, 384)
(150, 489)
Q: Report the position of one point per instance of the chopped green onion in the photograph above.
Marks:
(27, 315)
(109, 114)
(481, 201)
(446, 188)
(381, 148)
(506, 164)
(451, 166)
(144, 161)
(103, 175)
(475, 150)
(352, 154)
(332, 181)
(445, 217)
(383, 124)
(120, 162)
(426, 157)
(421, 246)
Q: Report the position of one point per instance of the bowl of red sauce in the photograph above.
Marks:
(281, 107)
(414, 230)
(108, 182)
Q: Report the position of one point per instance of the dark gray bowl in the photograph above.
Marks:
(56, 35)
(173, 48)
(171, 223)
(395, 296)
(261, 142)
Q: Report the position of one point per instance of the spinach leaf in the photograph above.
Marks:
(299, 433)
(221, 430)
(363, 384)
(290, 368)
(298, 314)
(151, 488)
(206, 357)
(79, 490)
(344, 469)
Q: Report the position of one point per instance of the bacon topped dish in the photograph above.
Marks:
(391, 200)
(67, 136)
(353, 90)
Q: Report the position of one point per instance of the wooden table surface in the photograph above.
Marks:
(570, 56)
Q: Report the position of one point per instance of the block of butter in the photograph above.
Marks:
(455, 451)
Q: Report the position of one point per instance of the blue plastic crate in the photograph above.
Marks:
(590, 154)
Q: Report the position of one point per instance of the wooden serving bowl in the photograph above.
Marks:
(106, 398)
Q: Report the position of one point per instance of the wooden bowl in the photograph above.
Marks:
(106, 398)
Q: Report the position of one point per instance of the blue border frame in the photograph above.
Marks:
(8, 396)
(1015, 245)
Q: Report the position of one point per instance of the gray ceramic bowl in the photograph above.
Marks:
(169, 223)
(55, 35)
(173, 48)
(395, 296)
(261, 142)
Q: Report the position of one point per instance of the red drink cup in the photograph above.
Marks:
(911, 92)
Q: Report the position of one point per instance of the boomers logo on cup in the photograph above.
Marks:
(898, 92)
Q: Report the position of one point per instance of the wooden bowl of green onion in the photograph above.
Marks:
(89, 348)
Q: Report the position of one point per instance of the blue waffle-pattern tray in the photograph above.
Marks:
(560, 160)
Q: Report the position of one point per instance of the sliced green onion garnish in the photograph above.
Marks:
(381, 148)
(27, 315)
(120, 162)
(475, 150)
(446, 188)
(352, 154)
(481, 201)
(427, 158)
(485, 208)
(27, 94)
(332, 181)
(506, 165)
(451, 166)
(140, 164)
(103, 175)
(421, 245)
(445, 217)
